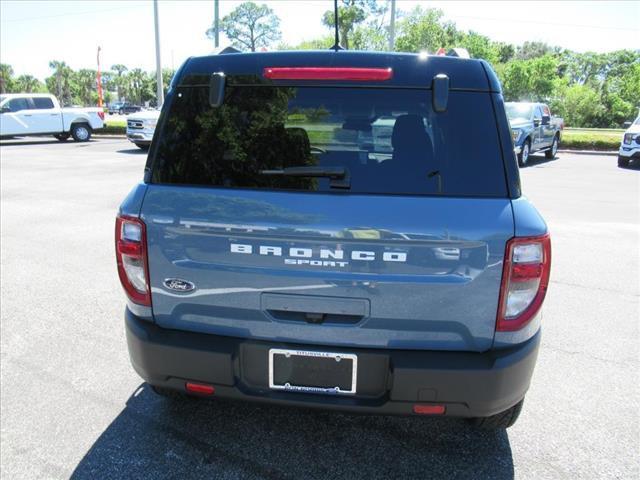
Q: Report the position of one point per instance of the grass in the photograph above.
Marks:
(591, 139)
(115, 122)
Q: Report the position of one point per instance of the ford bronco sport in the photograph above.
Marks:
(314, 230)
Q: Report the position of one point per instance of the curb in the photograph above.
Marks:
(591, 152)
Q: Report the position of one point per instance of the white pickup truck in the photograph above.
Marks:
(23, 114)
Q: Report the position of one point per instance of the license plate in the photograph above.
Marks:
(313, 372)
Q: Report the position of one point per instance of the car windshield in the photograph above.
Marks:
(519, 111)
(384, 140)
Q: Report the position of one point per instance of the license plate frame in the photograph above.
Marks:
(308, 388)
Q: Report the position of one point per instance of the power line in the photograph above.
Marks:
(27, 19)
(538, 22)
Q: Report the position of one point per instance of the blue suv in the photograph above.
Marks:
(313, 230)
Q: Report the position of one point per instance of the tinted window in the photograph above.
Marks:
(384, 140)
(18, 104)
(42, 103)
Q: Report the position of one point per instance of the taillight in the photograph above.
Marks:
(101, 115)
(525, 279)
(328, 73)
(131, 255)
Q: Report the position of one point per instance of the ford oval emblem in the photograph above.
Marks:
(178, 285)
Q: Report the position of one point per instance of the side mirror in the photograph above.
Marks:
(536, 122)
(5, 109)
(546, 120)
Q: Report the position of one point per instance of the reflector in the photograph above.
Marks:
(199, 388)
(429, 409)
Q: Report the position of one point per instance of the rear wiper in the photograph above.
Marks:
(339, 176)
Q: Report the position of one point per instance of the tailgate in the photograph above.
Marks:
(347, 270)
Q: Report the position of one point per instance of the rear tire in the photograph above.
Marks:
(623, 162)
(551, 153)
(500, 420)
(81, 132)
(523, 156)
(63, 137)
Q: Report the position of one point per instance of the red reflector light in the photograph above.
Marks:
(524, 272)
(429, 409)
(101, 115)
(200, 388)
(328, 73)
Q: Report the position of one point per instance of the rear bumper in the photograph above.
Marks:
(389, 381)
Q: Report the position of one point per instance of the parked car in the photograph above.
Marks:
(23, 114)
(140, 127)
(630, 144)
(276, 260)
(533, 129)
(123, 108)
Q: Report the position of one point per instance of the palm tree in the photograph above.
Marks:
(120, 70)
(28, 84)
(62, 73)
(6, 72)
(86, 80)
(137, 78)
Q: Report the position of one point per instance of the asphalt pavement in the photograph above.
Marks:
(72, 406)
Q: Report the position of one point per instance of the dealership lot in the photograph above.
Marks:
(71, 405)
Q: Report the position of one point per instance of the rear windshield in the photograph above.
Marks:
(348, 140)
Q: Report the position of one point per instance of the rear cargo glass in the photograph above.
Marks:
(386, 140)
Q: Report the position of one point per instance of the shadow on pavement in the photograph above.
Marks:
(133, 151)
(158, 438)
(536, 160)
(20, 141)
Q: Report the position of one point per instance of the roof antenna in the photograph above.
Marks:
(336, 46)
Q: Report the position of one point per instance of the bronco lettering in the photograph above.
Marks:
(324, 253)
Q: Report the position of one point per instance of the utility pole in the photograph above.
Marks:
(160, 90)
(216, 21)
(392, 26)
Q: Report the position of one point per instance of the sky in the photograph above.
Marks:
(34, 32)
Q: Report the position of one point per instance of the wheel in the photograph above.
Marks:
(121, 112)
(523, 156)
(81, 132)
(499, 420)
(623, 162)
(63, 137)
(142, 146)
(551, 153)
